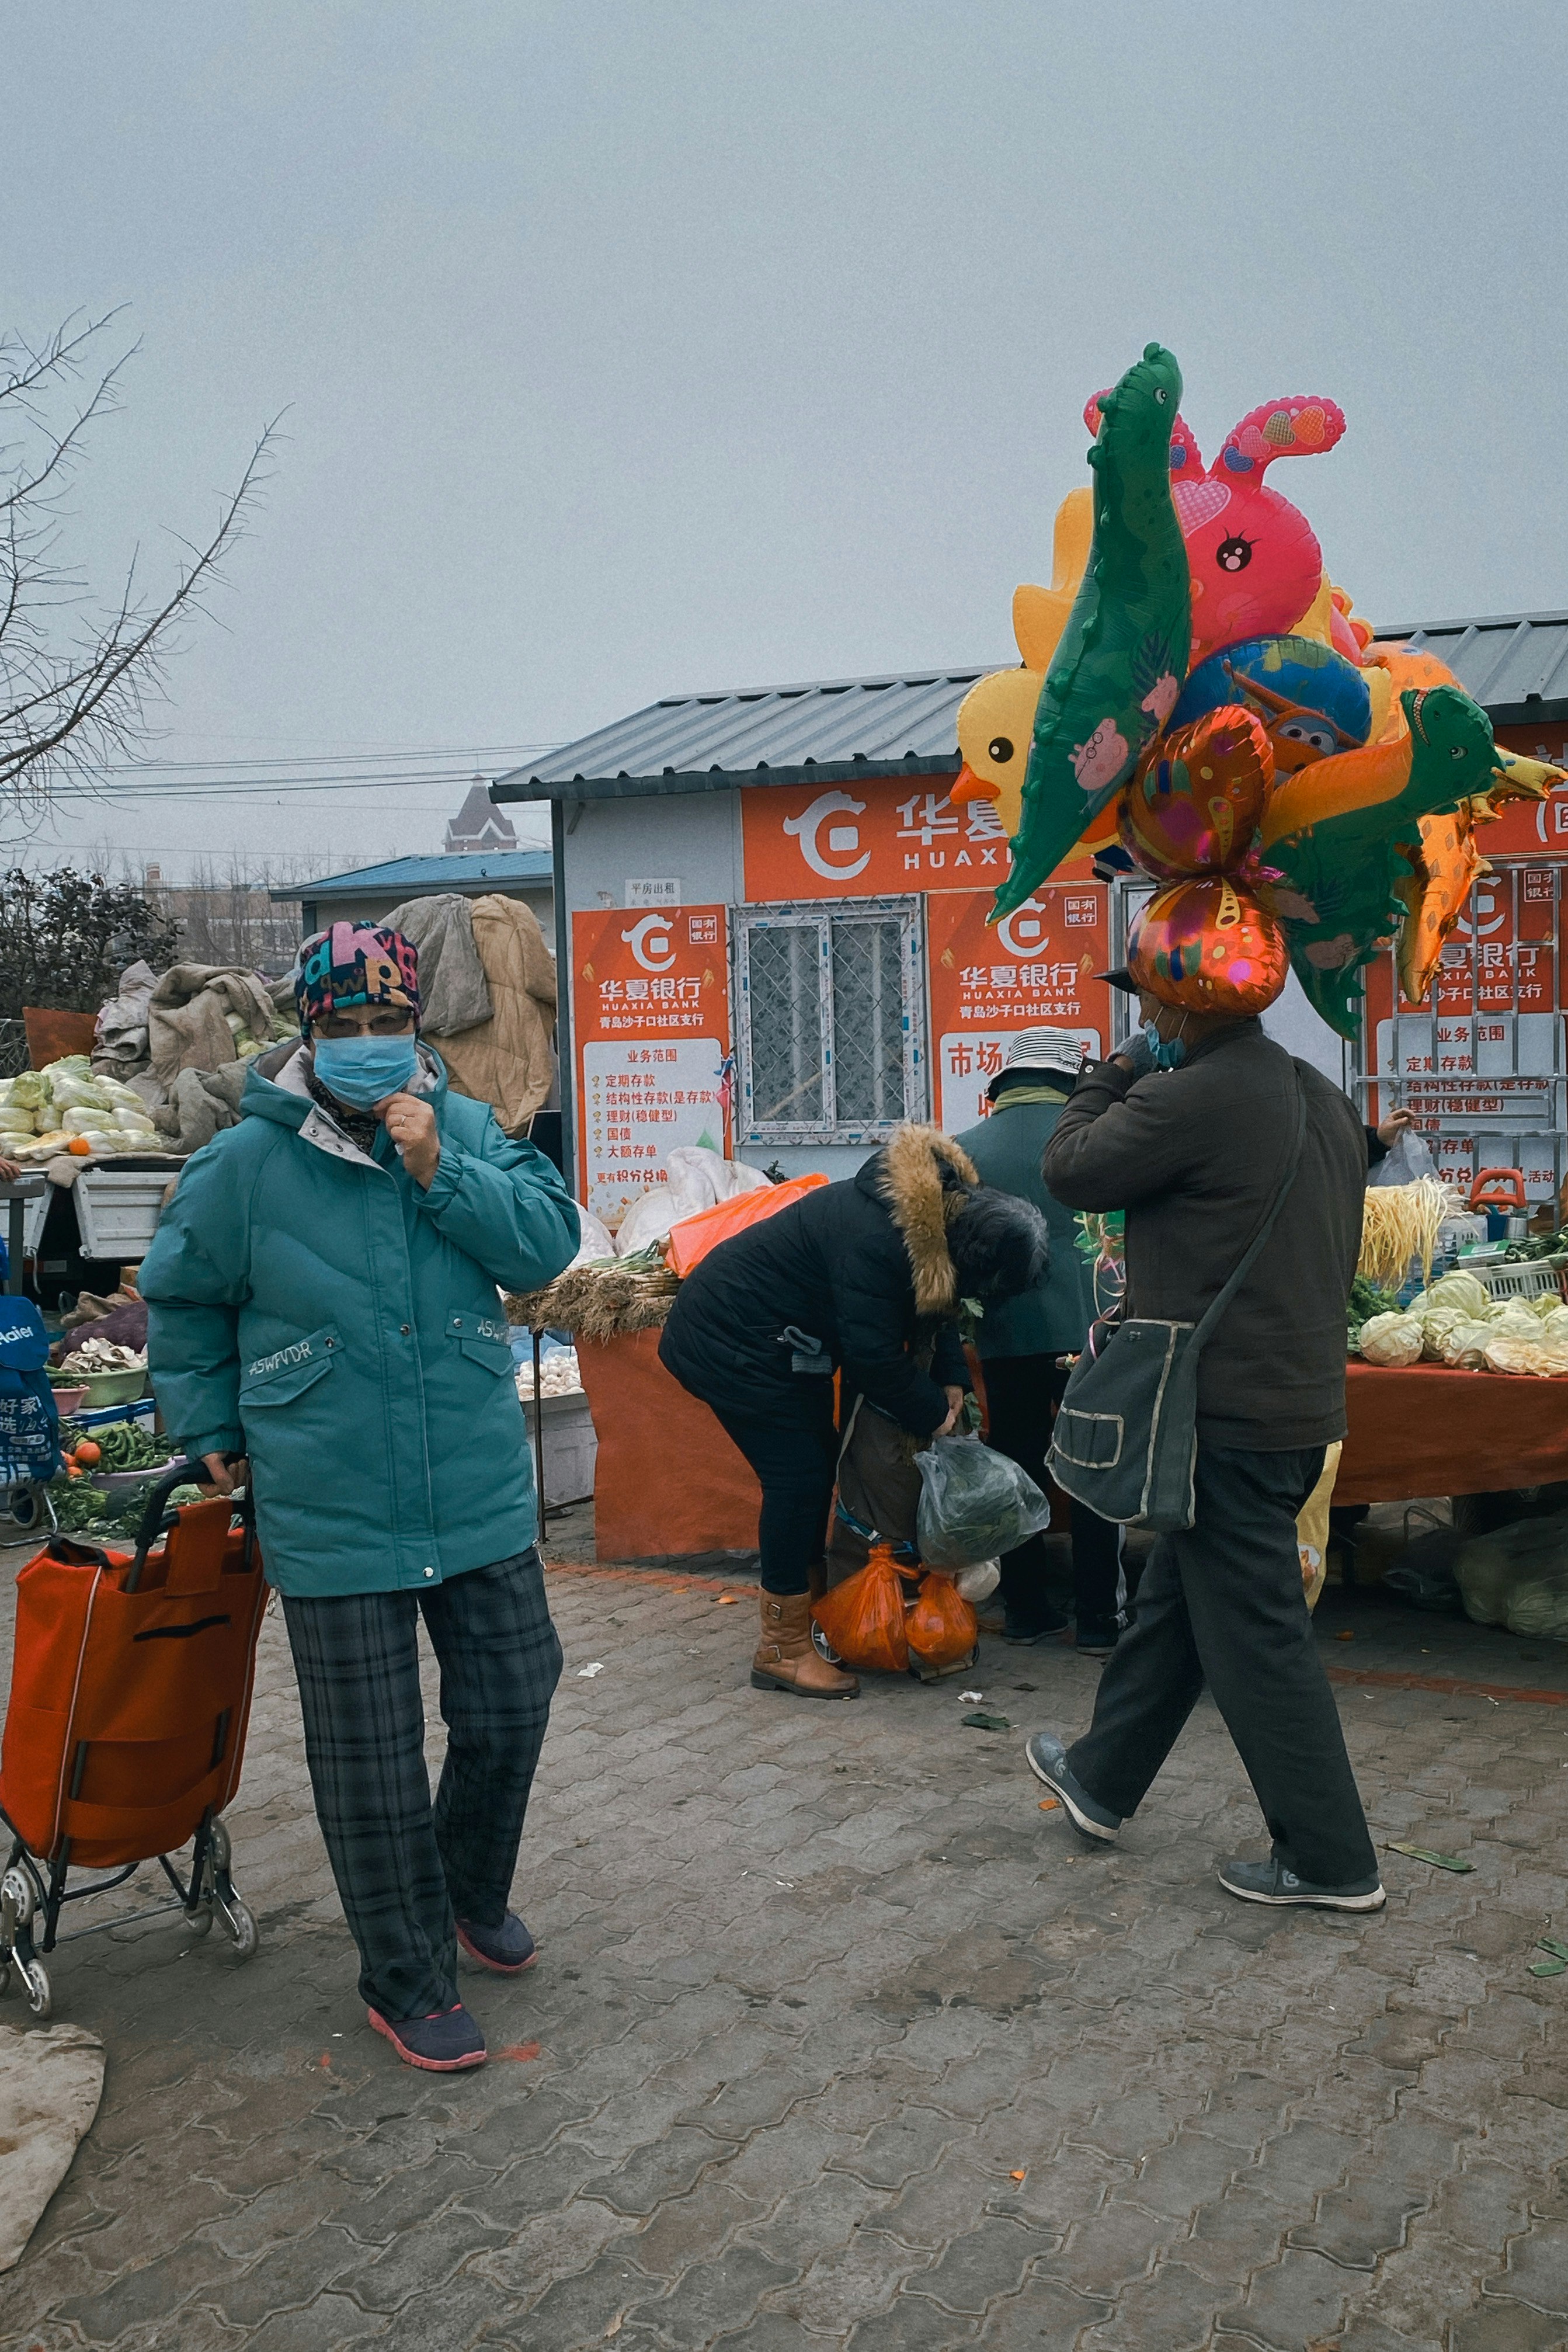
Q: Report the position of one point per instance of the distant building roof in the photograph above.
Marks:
(838, 731)
(478, 824)
(1515, 665)
(845, 730)
(421, 878)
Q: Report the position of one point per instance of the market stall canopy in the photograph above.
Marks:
(842, 730)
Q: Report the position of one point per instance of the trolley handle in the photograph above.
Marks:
(157, 1518)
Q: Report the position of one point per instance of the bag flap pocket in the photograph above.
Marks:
(284, 1373)
(1094, 1440)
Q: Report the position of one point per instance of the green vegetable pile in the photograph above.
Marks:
(123, 1445)
(1365, 1301)
(83, 1509)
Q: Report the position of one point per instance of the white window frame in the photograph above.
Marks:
(820, 915)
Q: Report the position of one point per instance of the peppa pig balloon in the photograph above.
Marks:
(1196, 808)
(1208, 946)
(1255, 559)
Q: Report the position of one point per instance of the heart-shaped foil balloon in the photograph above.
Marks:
(1194, 809)
(1208, 947)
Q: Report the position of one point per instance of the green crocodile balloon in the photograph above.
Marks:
(1338, 897)
(1115, 678)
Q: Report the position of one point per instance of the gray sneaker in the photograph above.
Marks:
(1274, 1882)
(1048, 1762)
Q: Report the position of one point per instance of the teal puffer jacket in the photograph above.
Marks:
(313, 1305)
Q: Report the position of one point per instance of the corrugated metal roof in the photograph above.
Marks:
(1515, 664)
(848, 729)
(422, 876)
(837, 729)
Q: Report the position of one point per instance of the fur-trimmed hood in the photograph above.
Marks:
(923, 1177)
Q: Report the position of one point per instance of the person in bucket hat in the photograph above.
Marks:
(321, 1298)
(1021, 1344)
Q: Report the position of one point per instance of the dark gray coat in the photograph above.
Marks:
(1195, 1156)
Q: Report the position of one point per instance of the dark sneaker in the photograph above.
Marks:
(508, 1948)
(443, 2043)
(1098, 1636)
(1048, 1762)
(1272, 1881)
(1032, 1629)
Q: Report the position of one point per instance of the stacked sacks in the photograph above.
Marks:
(1192, 818)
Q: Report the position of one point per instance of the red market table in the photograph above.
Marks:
(667, 1482)
(1425, 1430)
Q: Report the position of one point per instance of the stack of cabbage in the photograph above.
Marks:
(1458, 1321)
(44, 1111)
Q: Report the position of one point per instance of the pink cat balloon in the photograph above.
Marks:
(1255, 561)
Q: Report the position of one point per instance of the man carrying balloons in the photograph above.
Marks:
(1194, 1132)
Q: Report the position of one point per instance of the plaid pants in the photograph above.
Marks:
(404, 1866)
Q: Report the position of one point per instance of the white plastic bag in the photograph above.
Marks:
(1518, 1577)
(596, 1241)
(1408, 1160)
(978, 1584)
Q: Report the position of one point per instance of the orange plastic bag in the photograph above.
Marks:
(863, 1616)
(692, 1239)
(941, 1629)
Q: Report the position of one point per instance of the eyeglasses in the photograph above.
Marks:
(391, 1023)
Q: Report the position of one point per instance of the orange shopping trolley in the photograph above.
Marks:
(125, 1731)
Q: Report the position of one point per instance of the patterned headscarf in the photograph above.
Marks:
(356, 963)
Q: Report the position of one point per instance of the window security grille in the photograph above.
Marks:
(832, 1044)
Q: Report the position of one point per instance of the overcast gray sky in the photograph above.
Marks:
(636, 346)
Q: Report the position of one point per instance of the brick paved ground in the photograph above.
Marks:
(843, 2042)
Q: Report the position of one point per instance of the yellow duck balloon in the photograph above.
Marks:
(996, 718)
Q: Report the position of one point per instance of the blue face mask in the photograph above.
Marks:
(1165, 1053)
(362, 1071)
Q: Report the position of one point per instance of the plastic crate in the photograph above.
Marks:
(1532, 1281)
(118, 1210)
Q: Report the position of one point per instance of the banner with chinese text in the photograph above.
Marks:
(891, 834)
(1482, 1064)
(1034, 968)
(651, 1024)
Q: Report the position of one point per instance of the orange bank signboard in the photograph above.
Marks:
(650, 1020)
(890, 835)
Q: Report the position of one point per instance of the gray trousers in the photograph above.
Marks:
(1223, 1605)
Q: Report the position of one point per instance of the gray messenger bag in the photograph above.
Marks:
(1125, 1441)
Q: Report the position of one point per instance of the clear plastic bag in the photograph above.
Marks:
(975, 1503)
(1518, 1577)
(1409, 1158)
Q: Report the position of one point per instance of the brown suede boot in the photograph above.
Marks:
(787, 1657)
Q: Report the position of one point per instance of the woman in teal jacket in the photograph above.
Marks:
(323, 1298)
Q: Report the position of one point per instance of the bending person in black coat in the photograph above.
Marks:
(863, 1277)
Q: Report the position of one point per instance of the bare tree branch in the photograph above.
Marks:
(73, 698)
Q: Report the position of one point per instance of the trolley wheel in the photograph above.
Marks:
(219, 1850)
(5, 1976)
(19, 1897)
(199, 1922)
(236, 1917)
(35, 1985)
